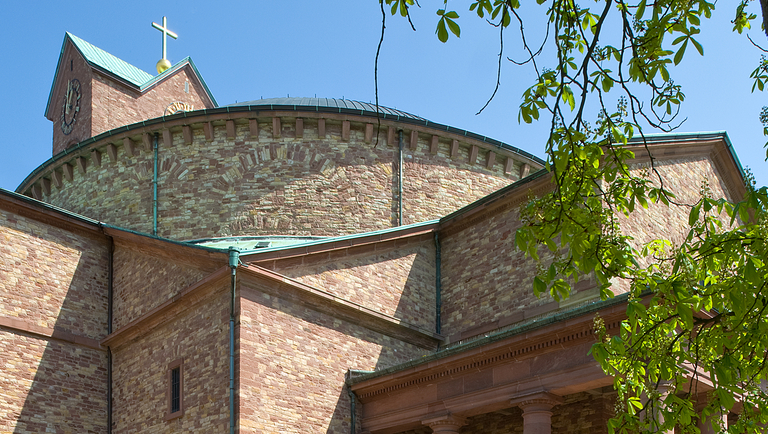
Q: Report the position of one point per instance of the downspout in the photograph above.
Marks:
(234, 260)
(154, 191)
(400, 178)
(110, 274)
(352, 396)
(352, 409)
(438, 286)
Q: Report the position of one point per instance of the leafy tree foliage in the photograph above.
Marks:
(697, 311)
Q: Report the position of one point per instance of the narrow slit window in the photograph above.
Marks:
(175, 389)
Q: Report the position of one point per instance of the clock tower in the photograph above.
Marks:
(94, 92)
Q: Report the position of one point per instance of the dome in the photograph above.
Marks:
(326, 105)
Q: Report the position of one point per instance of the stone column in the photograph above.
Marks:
(446, 424)
(537, 412)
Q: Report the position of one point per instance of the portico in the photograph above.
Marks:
(534, 366)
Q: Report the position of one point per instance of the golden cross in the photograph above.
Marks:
(166, 32)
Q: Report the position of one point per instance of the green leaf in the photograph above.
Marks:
(453, 26)
(698, 46)
(640, 10)
(693, 217)
(680, 53)
(442, 33)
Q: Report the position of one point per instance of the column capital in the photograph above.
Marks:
(542, 401)
(446, 423)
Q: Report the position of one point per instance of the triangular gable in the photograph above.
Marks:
(149, 84)
(119, 69)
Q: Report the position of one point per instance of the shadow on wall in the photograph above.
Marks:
(68, 391)
(295, 353)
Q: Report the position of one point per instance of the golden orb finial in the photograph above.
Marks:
(163, 65)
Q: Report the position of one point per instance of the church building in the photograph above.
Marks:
(293, 265)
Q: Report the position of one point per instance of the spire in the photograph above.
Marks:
(163, 64)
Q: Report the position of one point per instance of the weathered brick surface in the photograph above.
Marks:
(292, 365)
(485, 277)
(115, 105)
(73, 66)
(399, 282)
(51, 386)
(580, 413)
(308, 185)
(51, 277)
(201, 337)
(143, 281)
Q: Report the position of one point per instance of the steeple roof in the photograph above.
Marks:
(109, 63)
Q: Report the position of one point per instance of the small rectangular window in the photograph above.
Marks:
(175, 389)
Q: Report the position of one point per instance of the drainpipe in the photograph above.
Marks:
(234, 260)
(110, 279)
(438, 286)
(352, 396)
(154, 191)
(400, 178)
(352, 407)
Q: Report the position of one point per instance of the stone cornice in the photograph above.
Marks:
(481, 355)
(20, 325)
(219, 116)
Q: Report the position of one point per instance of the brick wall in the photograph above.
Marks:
(51, 386)
(73, 66)
(399, 281)
(52, 277)
(237, 183)
(52, 283)
(684, 176)
(199, 336)
(487, 282)
(115, 104)
(293, 360)
(144, 280)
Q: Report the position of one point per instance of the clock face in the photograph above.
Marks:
(71, 106)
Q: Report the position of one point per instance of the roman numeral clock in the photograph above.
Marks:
(71, 107)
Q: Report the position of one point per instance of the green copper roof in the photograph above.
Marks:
(98, 57)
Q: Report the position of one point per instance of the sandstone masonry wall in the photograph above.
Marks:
(487, 282)
(398, 281)
(52, 277)
(200, 337)
(143, 281)
(685, 176)
(51, 386)
(262, 176)
(115, 104)
(73, 66)
(53, 312)
(292, 362)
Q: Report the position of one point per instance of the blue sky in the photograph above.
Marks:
(252, 49)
